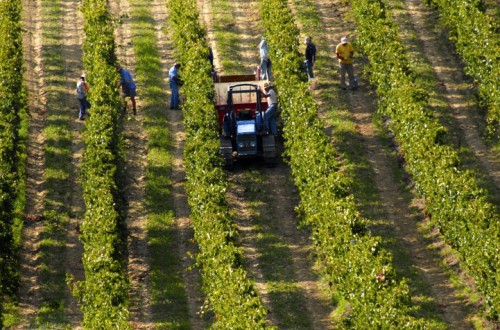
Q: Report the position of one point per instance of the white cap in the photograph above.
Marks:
(83, 75)
(343, 40)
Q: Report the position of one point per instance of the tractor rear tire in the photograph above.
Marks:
(269, 150)
(226, 151)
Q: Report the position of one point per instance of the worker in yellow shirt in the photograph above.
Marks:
(345, 52)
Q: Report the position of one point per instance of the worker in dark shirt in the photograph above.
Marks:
(310, 57)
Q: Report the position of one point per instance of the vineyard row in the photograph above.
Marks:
(458, 207)
(360, 270)
(231, 295)
(13, 123)
(103, 293)
(477, 41)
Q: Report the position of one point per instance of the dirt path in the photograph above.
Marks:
(30, 295)
(72, 43)
(184, 229)
(453, 87)
(235, 197)
(284, 198)
(246, 15)
(397, 211)
(243, 215)
(245, 51)
(263, 201)
(29, 298)
(205, 9)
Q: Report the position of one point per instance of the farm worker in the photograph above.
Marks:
(272, 108)
(345, 52)
(175, 83)
(128, 87)
(82, 89)
(265, 62)
(310, 57)
(211, 58)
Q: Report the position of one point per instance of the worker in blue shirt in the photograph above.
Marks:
(175, 83)
(128, 87)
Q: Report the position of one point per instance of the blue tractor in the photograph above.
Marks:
(242, 128)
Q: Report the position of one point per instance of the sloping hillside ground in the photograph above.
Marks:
(277, 252)
(350, 119)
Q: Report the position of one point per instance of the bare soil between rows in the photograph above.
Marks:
(30, 294)
(399, 211)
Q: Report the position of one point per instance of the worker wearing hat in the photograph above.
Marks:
(345, 52)
(272, 108)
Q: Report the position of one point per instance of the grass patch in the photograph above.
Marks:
(227, 38)
(169, 299)
(307, 15)
(309, 21)
(275, 258)
(57, 173)
(229, 42)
